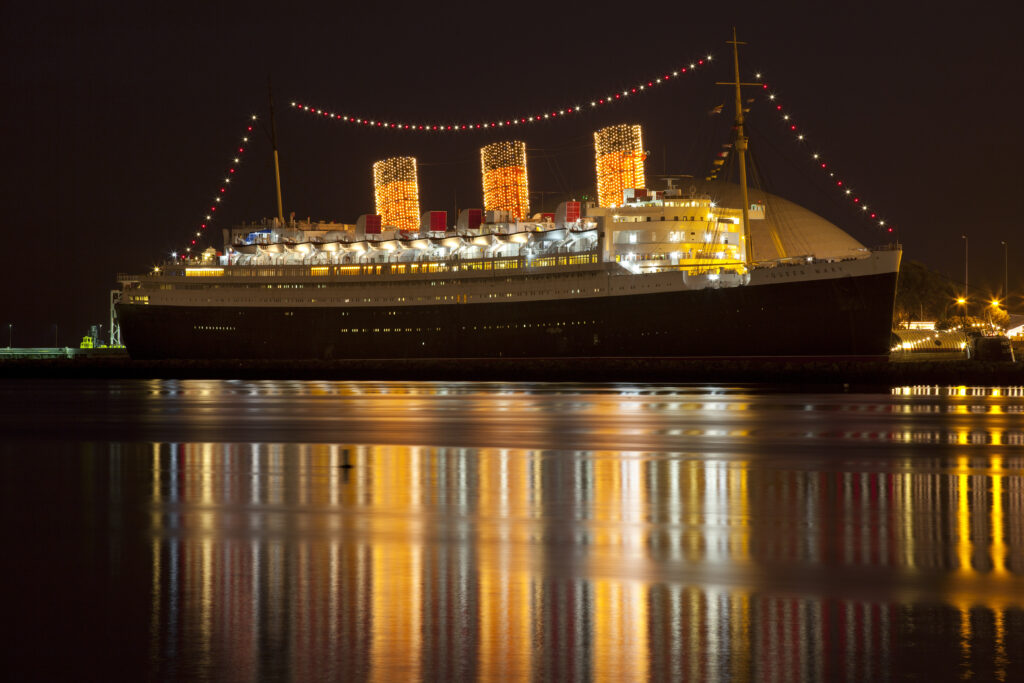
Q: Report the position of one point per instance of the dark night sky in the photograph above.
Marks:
(120, 119)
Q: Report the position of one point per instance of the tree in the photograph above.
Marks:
(924, 294)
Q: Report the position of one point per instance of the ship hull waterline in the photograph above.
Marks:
(843, 318)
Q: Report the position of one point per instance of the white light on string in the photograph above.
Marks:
(547, 114)
(800, 137)
(222, 191)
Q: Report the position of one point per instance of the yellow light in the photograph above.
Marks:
(203, 272)
(503, 166)
(397, 194)
(620, 162)
(961, 300)
(995, 302)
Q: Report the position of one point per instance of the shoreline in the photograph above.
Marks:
(818, 374)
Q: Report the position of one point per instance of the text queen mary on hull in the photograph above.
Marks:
(663, 272)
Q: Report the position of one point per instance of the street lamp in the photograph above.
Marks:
(967, 287)
(1006, 270)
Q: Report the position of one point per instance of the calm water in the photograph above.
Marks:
(210, 530)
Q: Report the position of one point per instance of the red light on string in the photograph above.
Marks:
(823, 165)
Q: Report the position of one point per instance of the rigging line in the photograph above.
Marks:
(776, 221)
(454, 162)
(773, 225)
(802, 169)
(556, 171)
(580, 147)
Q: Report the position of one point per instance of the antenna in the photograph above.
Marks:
(273, 142)
(741, 147)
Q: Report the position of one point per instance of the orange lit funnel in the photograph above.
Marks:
(620, 162)
(397, 193)
(503, 165)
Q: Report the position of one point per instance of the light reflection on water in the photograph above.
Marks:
(546, 532)
(453, 563)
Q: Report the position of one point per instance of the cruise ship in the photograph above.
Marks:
(662, 275)
(688, 269)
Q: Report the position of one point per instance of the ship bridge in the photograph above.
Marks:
(656, 230)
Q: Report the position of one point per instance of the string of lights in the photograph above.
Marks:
(215, 203)
(771, 98)
(547, 114)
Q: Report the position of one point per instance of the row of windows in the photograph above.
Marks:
(548, 325)
(394, 268)
(454, 298)
(478, 282)
(647, 219)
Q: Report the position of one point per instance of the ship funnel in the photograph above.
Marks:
(619, 153)
(397, 193)
(503, 165)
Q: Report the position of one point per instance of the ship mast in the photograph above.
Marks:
(741, 146)
(273, 142)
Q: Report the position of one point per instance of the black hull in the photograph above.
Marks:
(839, 318)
